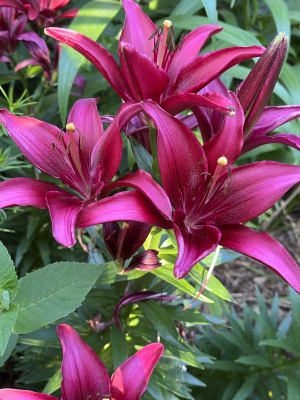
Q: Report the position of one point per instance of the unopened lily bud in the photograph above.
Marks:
(146, 260)
(255, 91)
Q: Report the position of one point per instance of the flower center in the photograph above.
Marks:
(163, 47)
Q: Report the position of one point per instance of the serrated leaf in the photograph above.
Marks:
(119, 346)
(52, 292)
(91, 20)
(8, 276)
(7, 323)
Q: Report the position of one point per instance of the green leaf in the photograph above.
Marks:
(143, 158)
(246, 389)
(255, 359)
(280, 13)
(293, 386)
(54, 383)
(91, 20)
(52, 292)
(9, 348)
(211, 10)
(162, 322)
(187, 7)
(119, 346)
(166, 273)
(8, 278)
(284, 344)
(199, 274)
(7, 323)
(230, 34)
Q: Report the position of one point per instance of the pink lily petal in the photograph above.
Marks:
(83, 372)
(209, 121)
(25, 63)
(63, 209)
(56, 4)
(95, 53)
(32, 39)
(190, 48)
(85, 117)
(273, 117)
(25, 192)
(40, 143)
(144, 78)
(15, 394)
(207, 67)
(137, 28)
(229, 141)
(262, 248)
(123, 206)
(143, 182)
(182, 160)
(194, 243)
(130, 380)
(250, 191)
(283, 138)
(67, 14)
(12, 3)
(180, 102)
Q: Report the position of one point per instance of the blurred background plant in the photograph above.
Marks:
(212, 351)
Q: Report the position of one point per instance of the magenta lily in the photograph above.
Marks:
(149, 70)
(85, 376)
(12, 26)
(208, 200)
(43, 12)
(84, 158)
(254, 93)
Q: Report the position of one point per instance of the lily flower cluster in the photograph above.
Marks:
(85, 376)
(203, 197)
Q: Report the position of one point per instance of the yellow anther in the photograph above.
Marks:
(70, 127)
(222, 161)
(167, 24)
(125, 225)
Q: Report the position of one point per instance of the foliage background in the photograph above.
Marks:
(250, 356)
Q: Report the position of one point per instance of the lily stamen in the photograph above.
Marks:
(221, 163)
(125, 226)
(163, 42)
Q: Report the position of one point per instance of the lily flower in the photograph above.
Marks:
(12, 25)
(254, 93)
(149, 69)
(207, 200)
(84, 158)
(43, 12)
(85, 376)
